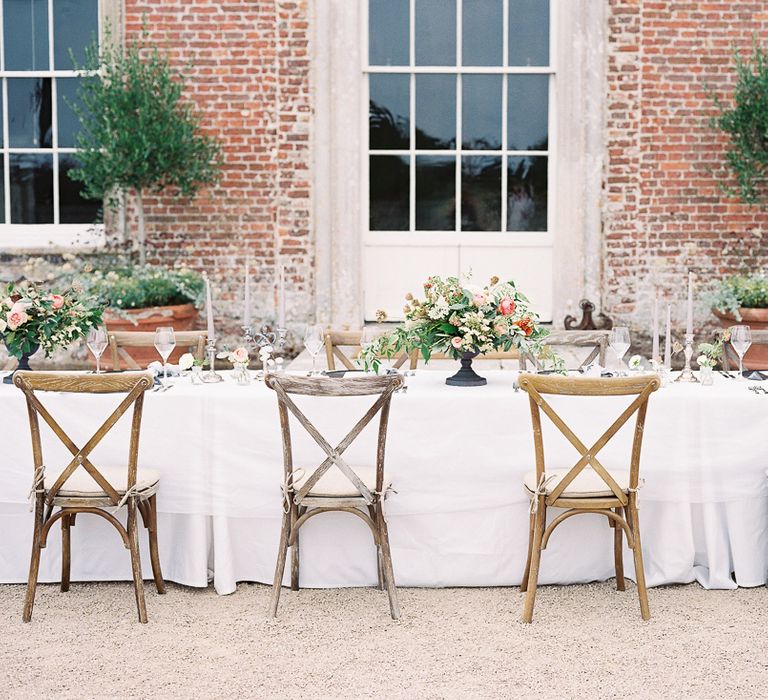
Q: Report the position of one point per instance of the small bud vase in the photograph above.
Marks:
(197, 374)
(706, 376)
(242, 377)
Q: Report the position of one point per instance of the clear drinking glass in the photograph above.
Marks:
(619, 342)
(97, 341)
(165, 342)
(314, 339)
(741, 339)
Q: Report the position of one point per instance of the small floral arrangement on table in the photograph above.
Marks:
(238, 356)
(32, 318)
(456, 318)
(712, 353)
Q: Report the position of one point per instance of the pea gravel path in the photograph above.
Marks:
(586, 641)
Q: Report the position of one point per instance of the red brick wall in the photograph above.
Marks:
(247, 70)
(664, 211)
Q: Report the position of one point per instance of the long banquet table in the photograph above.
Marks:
(456, 456)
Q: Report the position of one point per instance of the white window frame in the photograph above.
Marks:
(456, 235)
(56, 234)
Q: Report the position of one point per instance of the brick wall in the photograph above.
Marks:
(664, 211)
(247, 70)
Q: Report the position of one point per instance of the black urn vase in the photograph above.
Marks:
(466, 376)
(23, 365)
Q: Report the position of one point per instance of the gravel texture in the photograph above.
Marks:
(585, 641)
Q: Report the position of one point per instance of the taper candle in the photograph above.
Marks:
(209, 308)
(247, 309)
(281, 298)
(655, 352)
(668, 339)
(689, 324)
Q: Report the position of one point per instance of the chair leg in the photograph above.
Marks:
(386, 555)
(533, 577)
(34, 562)
(133, 542)
(65, 552)
(526, 573)
(282, 553)
(618, 553)
(642, 591)
(295, 561)
(150, 522)
(379, 561)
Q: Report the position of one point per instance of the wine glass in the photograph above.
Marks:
(165, 342)
(97, 341)
(314, 339)
(741, 339)
(619, 343)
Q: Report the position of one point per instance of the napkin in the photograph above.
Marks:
(756, 375)
(157, 368)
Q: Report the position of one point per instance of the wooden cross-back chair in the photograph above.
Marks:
(82, 487)
(334, 485)
(759, 337)
(587, 487)
(119, 340)
(336, 340)
(597, 340)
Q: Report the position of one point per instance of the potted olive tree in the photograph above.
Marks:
(138, 136)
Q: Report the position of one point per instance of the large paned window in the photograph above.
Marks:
(41, 43)
(459, 94)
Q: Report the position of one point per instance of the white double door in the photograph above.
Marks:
(397, 262)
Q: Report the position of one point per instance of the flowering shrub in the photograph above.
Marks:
(455, 318)
(739, 291)
(31, 317)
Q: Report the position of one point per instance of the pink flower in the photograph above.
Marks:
(479, 299)
(240, 355)
(506, 306)
(501, 328)
(16, 319)
(58, 301)
(456, 342)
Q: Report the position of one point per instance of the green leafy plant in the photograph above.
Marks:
(739, 291)
(141, 287)
(746, 125)
(712, 353)
(138, 134)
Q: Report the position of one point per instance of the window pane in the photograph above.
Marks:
(73, 208)
(69, 124)
(482, 32)
(435, 32)
(480, 193)
(435, 193)
(528, 112)
(388, 32)
(75, 26)
(2, 192)
(481, 111)
(389, 192)
(528, 32)
(31, 188)
(25, 33)
(388, 111)
(527, 194)
(435, 111)
(29, 112)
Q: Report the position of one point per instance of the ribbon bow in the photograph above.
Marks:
(541, 490)
(38, 481)
(287, 486)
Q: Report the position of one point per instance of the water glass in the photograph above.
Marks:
(165, 342)
(97, 341)
(741, 339)
(314, 339)
(619, 343)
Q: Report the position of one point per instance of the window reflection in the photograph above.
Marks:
(480, 193)
(73, 207)
(527, 194)
(481, 112)
(25, 34)
(29, 112)
(435, 193)
(388, 111)
(482, 32)
(75, 26)
(528, 32)
(31, 188)
(389, 179)
(527, 128)
(435, 32)
(435, 111)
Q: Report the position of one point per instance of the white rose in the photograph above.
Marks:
(186, 361)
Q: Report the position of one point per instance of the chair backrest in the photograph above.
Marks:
(538, 386)
(133, 385)
(597, 340)
(382, 387)
(759, 337)
(336, 340)
(119, 340)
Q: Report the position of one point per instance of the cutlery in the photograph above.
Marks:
(727, 375)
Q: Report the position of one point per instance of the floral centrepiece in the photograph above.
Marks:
(32, 318)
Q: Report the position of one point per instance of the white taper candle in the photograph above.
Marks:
(668, 339)
(209, 309)
(689, 324)
(247, 309)
(655, 331)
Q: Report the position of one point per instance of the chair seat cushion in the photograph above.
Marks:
(81, 484)
(335, 483)
(587, 484)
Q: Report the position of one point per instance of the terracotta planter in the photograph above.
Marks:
(181, 318)
(756, 319)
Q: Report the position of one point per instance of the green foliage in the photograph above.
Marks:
(746, 124)
(141, 287)
(712, 353)
(137, 132)
(739, 291)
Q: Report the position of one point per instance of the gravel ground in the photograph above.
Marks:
(585, 641)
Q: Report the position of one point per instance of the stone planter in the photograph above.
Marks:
(756, 319)
(181, 318)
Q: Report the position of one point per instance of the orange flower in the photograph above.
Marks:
(525, 324)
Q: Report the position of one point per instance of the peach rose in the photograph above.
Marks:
(506, 306)
(16, 319)
(456, 342)
(58, 301)
(500, 328)
(525, 324)
(240, 355)
(479, 299)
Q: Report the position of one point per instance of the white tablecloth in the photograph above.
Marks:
(456, 457)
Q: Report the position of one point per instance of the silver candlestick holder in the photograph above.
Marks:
(264, 337)
(687, 375)
(211, 377)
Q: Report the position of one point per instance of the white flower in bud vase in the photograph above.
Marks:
(186, 361)
(279, 360)
(635, 362)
